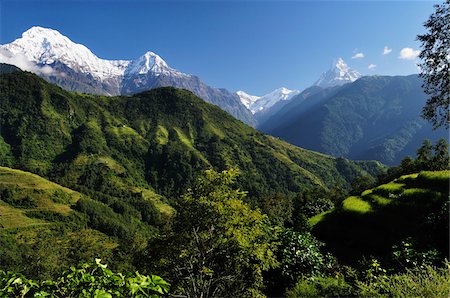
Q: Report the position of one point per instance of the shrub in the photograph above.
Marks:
(89, 280)
(317, 286)
(418, 282)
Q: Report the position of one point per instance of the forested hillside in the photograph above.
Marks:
(154, 140)
(376, 117)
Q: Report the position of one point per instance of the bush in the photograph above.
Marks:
(89, 280)
(317, 286)
(417, 282)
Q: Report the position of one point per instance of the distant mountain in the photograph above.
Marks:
(247, 99)
(374, 117)
(74, 67)
(339, 74)
(263, 116)
(258, 104)
(158, 140)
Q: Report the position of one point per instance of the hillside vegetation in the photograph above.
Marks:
(412, 206)
(156, 140)
(376, 117)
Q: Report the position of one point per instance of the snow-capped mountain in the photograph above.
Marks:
(73, 66)
(339, 74)
(247, 99)
(257, 104)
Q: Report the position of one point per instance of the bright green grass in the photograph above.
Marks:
(435, 176)
(165, 209)
(391, 188)
(39, 189)
(417, 193)
(23, 179)
(355, 204)
(162, 135)
(407, 178)
(366, 192)
(11, 217)
(189, 143)
(378, 200)
(318, 218)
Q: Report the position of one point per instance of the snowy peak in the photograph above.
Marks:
(148, 62)
(45, 46)
(247, 99)
(258, 104)
(339, 74)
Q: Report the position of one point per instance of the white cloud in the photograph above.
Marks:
(408, 54)
(23, 63)
(386, 50)
(371, 66)
(358, 56)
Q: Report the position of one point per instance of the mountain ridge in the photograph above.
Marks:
(375, 117)
(74, 67)
(158, 139)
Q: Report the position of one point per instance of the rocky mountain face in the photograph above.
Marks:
(74, 67)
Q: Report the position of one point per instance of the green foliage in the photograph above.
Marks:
(220, 245)
(414, 205)
(417, 282)
(159, 139)
(429, 158)
(88, 280)
(318, 286)
(300, 255)
(407, 256)
(435, 65)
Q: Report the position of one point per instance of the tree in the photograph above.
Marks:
(441, 158)
(435, 65)
(220, 246)
(425, 155)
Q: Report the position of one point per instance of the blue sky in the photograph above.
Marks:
(255, 46)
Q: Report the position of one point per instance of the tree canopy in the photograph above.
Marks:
(435, 65)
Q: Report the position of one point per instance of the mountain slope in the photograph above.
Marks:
(373, 118)
(74, 67)
(159, 139)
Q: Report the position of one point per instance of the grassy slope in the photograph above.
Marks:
(37, 221)
(23, 191)
(381, 217)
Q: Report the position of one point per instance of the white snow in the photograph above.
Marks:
(260, 103)
(44, 46)
(247, 99)
(339, 74)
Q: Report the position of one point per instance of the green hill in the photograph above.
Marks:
(410, 207)
(157, 140)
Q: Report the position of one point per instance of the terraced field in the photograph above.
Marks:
(413, 206)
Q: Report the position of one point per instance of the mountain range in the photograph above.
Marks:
(159, 139)
(74, 67)
(342, 114)
(375, 117)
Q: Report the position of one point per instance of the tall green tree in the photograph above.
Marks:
(425, 155)
(435, 65)
(441, 156)
(220, 245)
